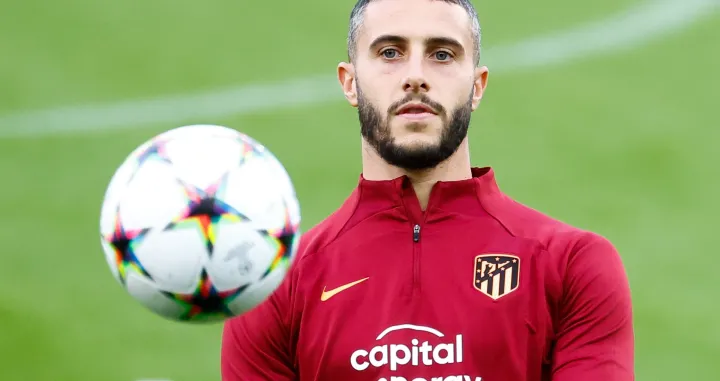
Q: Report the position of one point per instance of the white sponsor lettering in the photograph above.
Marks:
(395, 356)
(399, 354)
(448, 378)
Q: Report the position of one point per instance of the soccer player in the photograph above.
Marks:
(428, 271)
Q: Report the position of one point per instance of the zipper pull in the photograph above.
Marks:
(416, 233)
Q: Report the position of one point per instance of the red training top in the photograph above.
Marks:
(476, 288)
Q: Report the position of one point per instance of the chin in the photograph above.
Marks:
(415, 141)
(428, 129)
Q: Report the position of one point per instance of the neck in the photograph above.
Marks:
(456, 167)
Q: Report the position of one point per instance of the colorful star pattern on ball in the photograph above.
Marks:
(284, 239)
(156, 150)
(249, 148)
(206, 303)
(124, 242)
(207, 210)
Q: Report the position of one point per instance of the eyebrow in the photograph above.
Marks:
(431, 41)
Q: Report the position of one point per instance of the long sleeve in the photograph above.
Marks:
(595, 339)
(256, 345)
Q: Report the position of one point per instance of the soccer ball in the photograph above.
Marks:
(200, 223)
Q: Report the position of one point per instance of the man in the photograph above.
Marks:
(428, 271)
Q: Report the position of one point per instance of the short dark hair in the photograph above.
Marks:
(356, 18)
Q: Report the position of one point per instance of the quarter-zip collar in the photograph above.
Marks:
(446, 197)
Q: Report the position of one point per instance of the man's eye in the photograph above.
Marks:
(390, 53)
(442, 56)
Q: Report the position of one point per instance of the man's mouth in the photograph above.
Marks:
(416, 108)
(416, 111)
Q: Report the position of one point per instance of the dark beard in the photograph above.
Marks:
(376, 132)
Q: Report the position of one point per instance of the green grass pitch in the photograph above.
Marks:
(624, 144)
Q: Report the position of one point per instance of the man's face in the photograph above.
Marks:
(415, 80)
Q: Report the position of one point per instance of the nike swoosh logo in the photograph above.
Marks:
(327, 294)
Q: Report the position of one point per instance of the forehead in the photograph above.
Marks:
(415, 19)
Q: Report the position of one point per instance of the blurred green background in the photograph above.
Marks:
(621, 142)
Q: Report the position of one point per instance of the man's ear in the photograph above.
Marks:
(481, 78)
(346, 76)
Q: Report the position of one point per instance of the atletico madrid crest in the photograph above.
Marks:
(496, 275)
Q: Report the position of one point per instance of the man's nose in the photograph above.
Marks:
(415, 80)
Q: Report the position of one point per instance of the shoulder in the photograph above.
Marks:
(327, 230)
(579, 266)
(566, 246)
